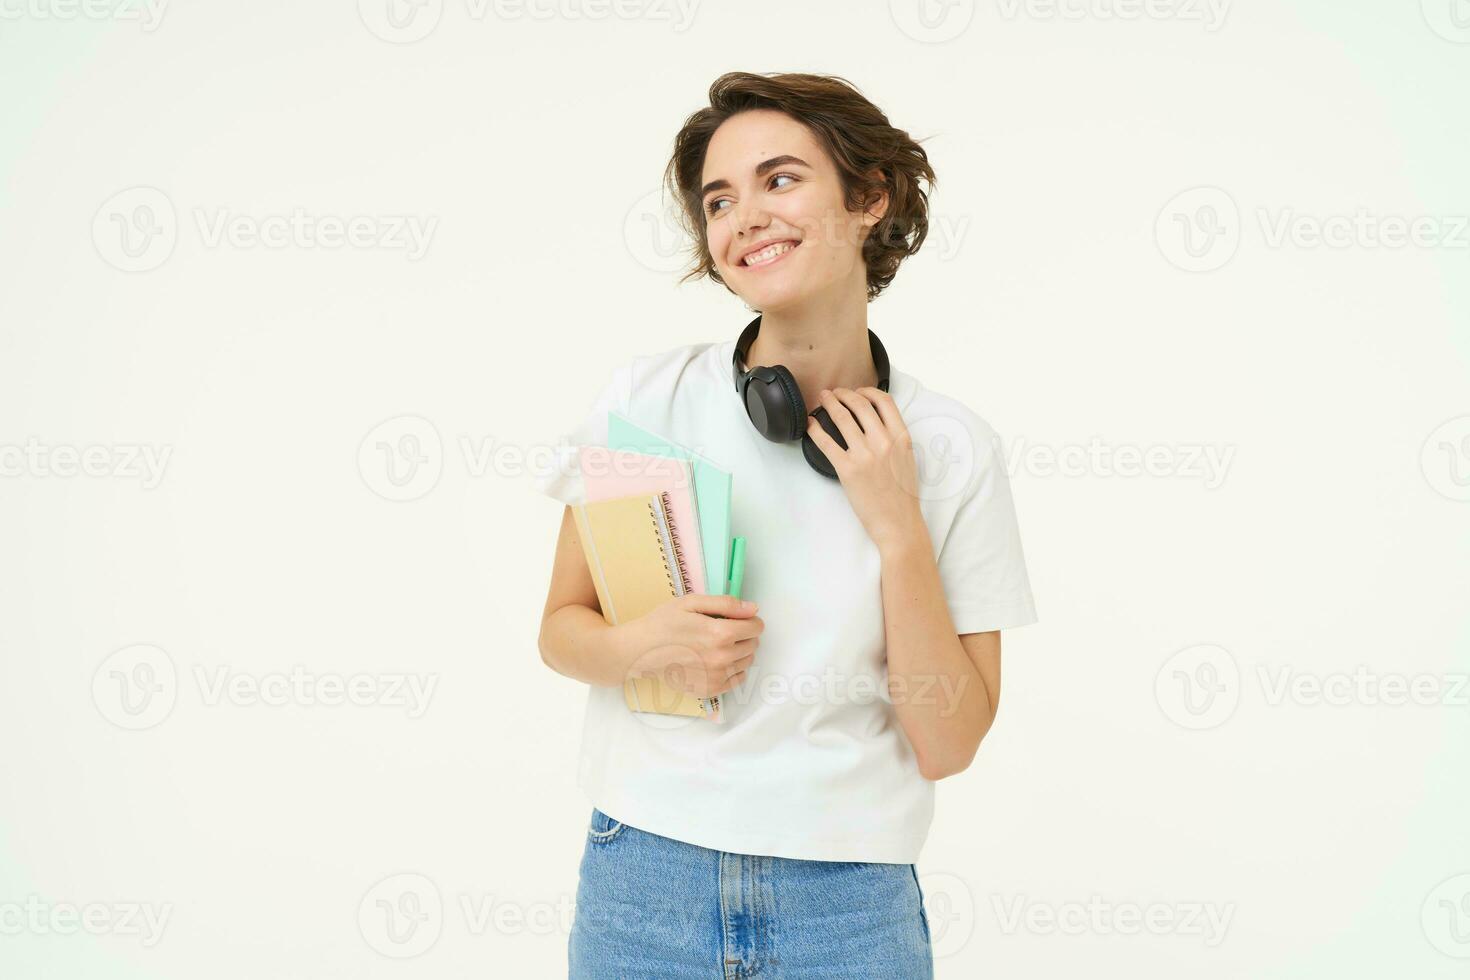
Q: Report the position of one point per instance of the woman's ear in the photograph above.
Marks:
(877, 205)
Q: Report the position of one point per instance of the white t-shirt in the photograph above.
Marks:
(811, 761)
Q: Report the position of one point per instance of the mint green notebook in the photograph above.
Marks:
(711, 493)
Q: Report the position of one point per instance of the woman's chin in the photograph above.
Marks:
(774, 298)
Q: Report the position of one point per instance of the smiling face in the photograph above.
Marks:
(775, 221)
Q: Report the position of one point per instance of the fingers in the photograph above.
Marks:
(887, 409)
(841, 417)
(720, 605)
(731, 683)
(861, 409)
(741, 630)
(824, 442)
(740, 666)
(736, 670)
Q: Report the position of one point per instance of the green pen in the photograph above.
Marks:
(737, 579)
(737, 566)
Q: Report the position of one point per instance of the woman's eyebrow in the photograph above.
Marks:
(761, 169)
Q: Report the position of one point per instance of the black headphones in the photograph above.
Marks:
(774, 404)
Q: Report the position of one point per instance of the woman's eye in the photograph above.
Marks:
(714, 206)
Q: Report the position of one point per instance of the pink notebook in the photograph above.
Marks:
(609, 473)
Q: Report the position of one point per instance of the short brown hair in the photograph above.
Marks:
(856, 135)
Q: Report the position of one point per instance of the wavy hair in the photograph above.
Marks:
(857, 137)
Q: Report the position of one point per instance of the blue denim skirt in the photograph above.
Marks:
(653, 908)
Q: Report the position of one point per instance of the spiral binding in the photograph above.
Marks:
(710, 705)
(659, 534)
(675, 542)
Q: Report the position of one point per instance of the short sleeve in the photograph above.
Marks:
(559, 475)
(981, 563)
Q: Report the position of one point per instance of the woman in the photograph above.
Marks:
(782, 842)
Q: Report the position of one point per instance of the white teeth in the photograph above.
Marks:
(770, 253)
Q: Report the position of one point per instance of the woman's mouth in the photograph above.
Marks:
(770, 255)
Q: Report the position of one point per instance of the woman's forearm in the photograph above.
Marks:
(941, 700)
(577, 642)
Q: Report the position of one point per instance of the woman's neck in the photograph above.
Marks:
(821, 349)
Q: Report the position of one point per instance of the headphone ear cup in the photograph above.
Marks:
(796, 420)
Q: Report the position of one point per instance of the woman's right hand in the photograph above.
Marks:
(685, 643)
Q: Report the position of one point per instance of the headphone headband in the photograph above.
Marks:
(748, 335)
(774, 405)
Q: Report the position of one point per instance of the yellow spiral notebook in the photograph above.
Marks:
(636, 558)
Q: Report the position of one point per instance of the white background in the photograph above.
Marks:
(1078, 290)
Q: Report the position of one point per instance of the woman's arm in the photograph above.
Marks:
(945, 687)
(702, 644)
(575, 640)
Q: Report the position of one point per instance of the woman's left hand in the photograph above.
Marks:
(877, 470)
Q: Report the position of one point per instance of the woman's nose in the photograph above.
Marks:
(749, 218)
